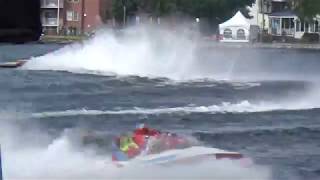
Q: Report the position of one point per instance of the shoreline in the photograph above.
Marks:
(262, 45)
(65, 40)
(202, 43)
(61, 39)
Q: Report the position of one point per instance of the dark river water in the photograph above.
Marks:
(263, 103)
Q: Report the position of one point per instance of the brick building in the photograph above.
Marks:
(73, 17)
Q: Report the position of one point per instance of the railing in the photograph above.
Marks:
(50, 22)
(279, 0)
(51, 3)
(288, 32)
(282, 32)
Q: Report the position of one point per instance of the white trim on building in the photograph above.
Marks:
(282, 23)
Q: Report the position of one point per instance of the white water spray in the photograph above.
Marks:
(139, 51)
(59, 159)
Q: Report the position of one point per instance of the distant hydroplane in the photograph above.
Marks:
(14, 64)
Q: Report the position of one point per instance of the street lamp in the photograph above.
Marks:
(264, 9)
(58, 17)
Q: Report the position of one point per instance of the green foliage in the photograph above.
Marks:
(214, 10)
(306, 8)
(117, 8)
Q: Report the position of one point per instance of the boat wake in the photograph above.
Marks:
(242, 107)
(178, 55)
(139, 52)
(60, 159)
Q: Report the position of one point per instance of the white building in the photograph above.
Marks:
(275, 18)
(51, 16)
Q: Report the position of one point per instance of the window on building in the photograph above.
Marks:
(275, 26)
(75, 16)
(302, 26)
(285, 23)
(298, 25)
(227, 33)
(312, 27)
(306, 27)
(50, 14)
(291, 23)
(73, 1)
(241, 34)
(72, 16)
(69, 15)
(316, 25)
(72, 31)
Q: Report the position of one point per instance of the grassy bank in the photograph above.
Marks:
(61, 39)
(203, 43)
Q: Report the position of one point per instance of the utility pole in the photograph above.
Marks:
(82, 16)
(261, 7)
(124, 12)
(58, 19)
(263, 11)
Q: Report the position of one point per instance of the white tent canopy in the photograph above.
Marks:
(235, 29)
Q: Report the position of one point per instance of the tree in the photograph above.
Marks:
(117, 8)
(215, 11)
(306, 9)
(164, 7)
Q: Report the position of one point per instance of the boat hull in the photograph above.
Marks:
(190, 155)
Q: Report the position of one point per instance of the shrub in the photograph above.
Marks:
(310, 38)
